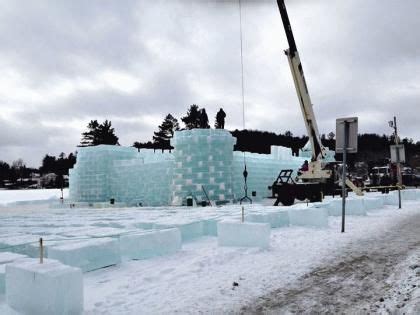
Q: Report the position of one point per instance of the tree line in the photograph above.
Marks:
(196, 117)
(373, 148)
(17, 174)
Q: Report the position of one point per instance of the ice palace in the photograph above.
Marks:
(203, 161)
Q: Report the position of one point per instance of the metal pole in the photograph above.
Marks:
(398, 163)
(41, 251)
(343, 188)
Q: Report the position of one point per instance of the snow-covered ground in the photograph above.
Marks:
(201, 277)
(28, 195)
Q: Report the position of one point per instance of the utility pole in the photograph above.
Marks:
(344, 176)
(396, 139)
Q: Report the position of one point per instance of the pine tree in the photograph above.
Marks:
(99, 134)
(162, 137)
(192, 119)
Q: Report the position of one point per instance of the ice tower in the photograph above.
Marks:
(203, 163)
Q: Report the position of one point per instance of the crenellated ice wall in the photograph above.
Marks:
(202, 158)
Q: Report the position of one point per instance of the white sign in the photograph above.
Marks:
(397, 153)
(352, 123)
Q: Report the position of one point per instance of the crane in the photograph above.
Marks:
(319, 178)
(315, 170)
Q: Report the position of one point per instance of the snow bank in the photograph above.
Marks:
(48, 288)
(29, 195)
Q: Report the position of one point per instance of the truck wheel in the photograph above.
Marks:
(316, 197)
(285, 194)
(300, 195)
(287, 199)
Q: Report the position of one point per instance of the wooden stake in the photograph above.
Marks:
(41, 251)
(243, 219)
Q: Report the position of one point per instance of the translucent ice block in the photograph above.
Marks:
(313, 217)
(245, 234)
(48, 288)
(88, 254)
(149, 244)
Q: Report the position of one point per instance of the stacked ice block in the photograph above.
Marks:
(262, 169)
(203, 158)
(112, 172)
(146, 184)
(203, 161)
(90, 177)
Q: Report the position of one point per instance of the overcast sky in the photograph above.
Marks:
(63, 63)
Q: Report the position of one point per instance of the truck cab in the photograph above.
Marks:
(378, 174)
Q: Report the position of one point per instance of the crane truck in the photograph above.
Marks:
(319, 178)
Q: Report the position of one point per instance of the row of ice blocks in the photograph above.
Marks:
(203, 159)
(308, 217)
(359, 206)
(254, 231)
(94, 251)
(406, 195)
(98, 253)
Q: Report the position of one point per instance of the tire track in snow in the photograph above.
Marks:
(354, 280)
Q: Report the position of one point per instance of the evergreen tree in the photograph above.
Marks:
(18, 168)
(192, 119)
(48, 164)
(4, 172)
(162, 137)
(99, 134)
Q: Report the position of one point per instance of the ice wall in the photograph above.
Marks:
(140, 183)
(203, 158)
(124, 174)
(262, 169)
(90, 179)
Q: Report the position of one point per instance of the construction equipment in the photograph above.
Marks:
(317, 180)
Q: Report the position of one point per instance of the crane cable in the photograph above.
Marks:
(245, 172)
(242, 65)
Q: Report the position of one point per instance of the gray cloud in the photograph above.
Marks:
(64, 63)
